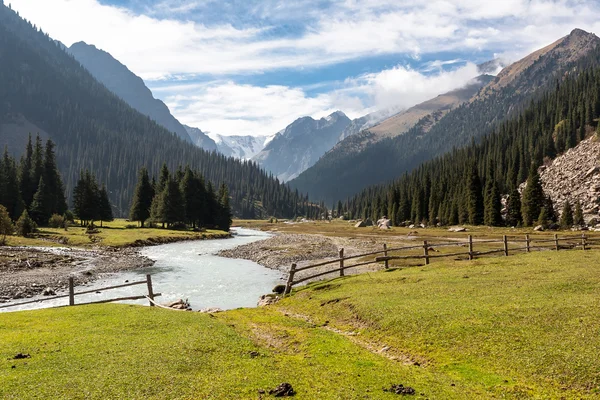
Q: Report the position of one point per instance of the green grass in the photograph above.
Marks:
(509, 327)
(115, 233)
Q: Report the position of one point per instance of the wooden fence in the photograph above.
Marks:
(148, 282)
(526, 244)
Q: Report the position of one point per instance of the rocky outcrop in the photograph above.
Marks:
(575, 176)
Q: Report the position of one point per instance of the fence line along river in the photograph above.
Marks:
(191, 270)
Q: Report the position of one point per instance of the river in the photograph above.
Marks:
(189, 270)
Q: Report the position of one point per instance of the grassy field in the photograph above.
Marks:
(509, 327)
(117, 233)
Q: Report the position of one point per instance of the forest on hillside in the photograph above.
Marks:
(465, 185)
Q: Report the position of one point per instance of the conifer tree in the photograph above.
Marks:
(578, 217)
(37, 168)
(104, 208)
(86, 198)
(224, 221)
(56, 195)
(543, 218)
(6, 226)
(513, 208)
(493, 204)
(142, 198)
(172, 204)
(10, 195)
(566, 217)
(551, 212)
(533, 198)
(25, 226)
(25, 176)
(41, 206)
(473, 199)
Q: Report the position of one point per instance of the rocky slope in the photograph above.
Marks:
(575, 176)
(301, 144)
(131, 88)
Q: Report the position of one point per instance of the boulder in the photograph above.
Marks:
(457, 229)
(267, 300)
(384, 223)
(411, 226)
(179, 305)
(360, 224)
(369, 222)
(538, 228)
(279, 289)
(48, 292)
(210, 310)
(384, 227)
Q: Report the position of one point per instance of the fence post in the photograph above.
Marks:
(385, 253)
(470, 247)
(583, 241)
(342, 261)
(288, 286)
(426, 252)
(527, 242)
(505, 241)
(71, 292)
(150, 291)
(555, 242)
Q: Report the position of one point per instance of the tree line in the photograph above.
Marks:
(182, 197)
(468, 185)
(32, 186)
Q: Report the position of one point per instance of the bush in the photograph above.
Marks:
(69, 217)
(6, 226)
(91, 229)
(131, 226)
(57, 221)
(25, 225)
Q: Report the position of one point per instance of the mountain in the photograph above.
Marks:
(125, 84)
(45, 88)
(300, 144)
(241, 147)
(338, 175)
(201, 139)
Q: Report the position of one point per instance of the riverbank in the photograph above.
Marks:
(28, 271)
(46, 260)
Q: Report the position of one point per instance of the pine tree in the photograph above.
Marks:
(142, 198)
(104, 208)
(25, 176)
(533, 198)
(566, 217)
(543, 218)
(41, 206)
(86, 198)
(474, 200)
(6, 226)
(578, 217)
(493, 204)
(25, 226)
(513, 212)
(172, 204)
(56, 195)
(10, 195)
(224, 221)
(37, 168)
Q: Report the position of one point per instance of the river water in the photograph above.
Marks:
(189, 270)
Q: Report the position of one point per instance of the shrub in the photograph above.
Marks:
(69, 217)
(25, 225)
(91, 229)
(57, 221)
(6, 226)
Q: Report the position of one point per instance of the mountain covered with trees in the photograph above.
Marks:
(466, 185)
(44, 87)
(131, 88)
(337, 176)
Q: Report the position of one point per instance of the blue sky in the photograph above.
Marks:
(252, 67)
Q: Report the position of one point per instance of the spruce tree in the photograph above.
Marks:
(142, 198)
(513, 208)
(493, 204)
(224, 221)
(10, 195)
(41, 206)
(551, 212)
(56, 192)
(37, 168)
(542, 219)
(578, 217)
(6, 226)
(25, 176)
(104, 208)
(172, 205)
(474, 200)
(566, 217)
(533, 198)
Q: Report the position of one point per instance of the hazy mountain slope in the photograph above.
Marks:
(336, 176)
(125, 84)
(200, 138)
(301, 144)
(94, 129)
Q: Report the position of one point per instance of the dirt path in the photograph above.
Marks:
(28, 271)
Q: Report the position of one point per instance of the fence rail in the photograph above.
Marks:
(148, 282)
(531, 244)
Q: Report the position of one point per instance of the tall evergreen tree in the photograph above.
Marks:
(493, 204)
(533, 198)
(513, 208)
(25, 174)
(10, 195)
(473, 199)
(142, 198)
(224, 221)
(104, 208)
(41, 206)
(566, 217)
(578, 217)
(56, 195)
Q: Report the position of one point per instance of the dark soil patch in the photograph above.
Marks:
(282, 390)
(400, 389)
